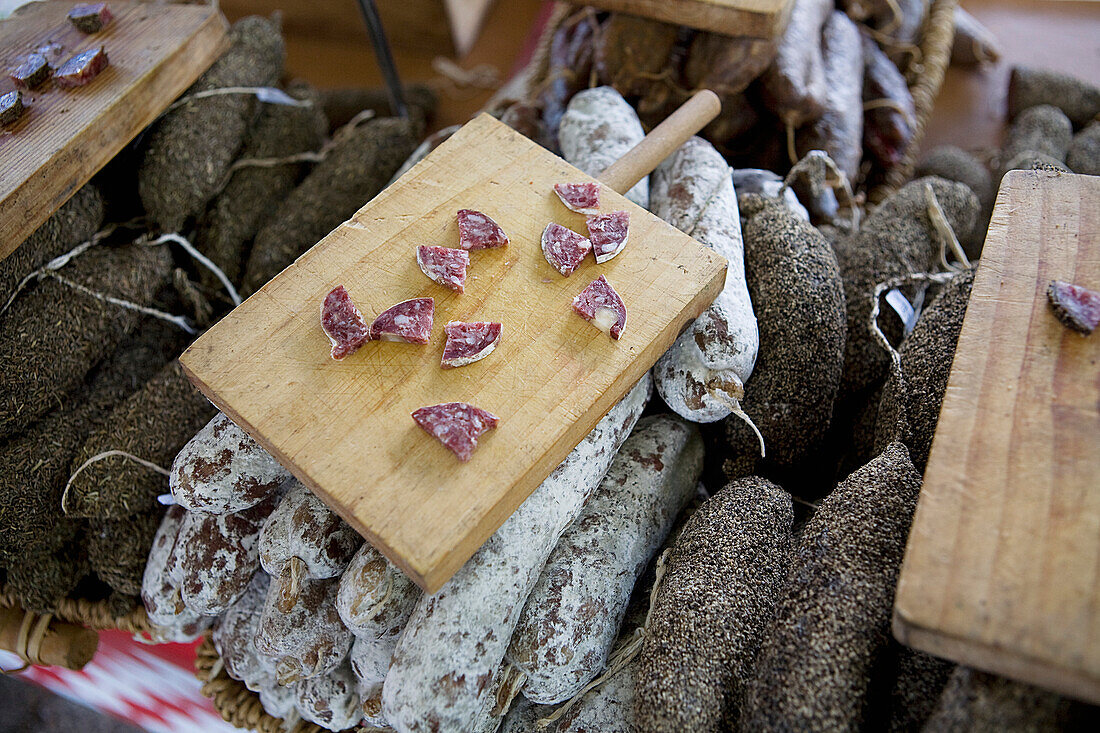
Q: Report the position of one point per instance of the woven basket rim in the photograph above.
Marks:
(95, 615)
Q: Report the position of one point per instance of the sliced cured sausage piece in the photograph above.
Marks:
(82, 68)
(409, 321)
(90, 17)
(343, 323)
(583, 198)
(456, 425)
(31, 72)
(563, 248)
(477, 231)
(469, 342)
(602, 307)
(444, 265)
(11, 107)
(1076, 307)
(608, 233)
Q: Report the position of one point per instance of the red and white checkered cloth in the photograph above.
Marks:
(151, 686)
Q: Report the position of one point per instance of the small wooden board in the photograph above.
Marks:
(66, 135)
(344, 428)
(1002, 570)
(751, 18)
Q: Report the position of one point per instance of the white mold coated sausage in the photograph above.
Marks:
(571, 620)
(705, 370)
(453, 645)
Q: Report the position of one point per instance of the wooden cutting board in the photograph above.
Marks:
(155, 53)
(1002, 570)
(752, 18)
(344, 428)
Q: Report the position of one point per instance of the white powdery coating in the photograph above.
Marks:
(330, 700)
(693, 191)
(375, 599)
(222, 469)
(218, 556)
(453, 645)
(234, 637)
(304, 527)
(308, 640)
(598, 128)
(160, 591)
(370, 658)
(607, 709)
(278, 701)
(571, 620)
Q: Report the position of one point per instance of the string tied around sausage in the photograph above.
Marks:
(622, 656)
(102, 456)
(53, 268)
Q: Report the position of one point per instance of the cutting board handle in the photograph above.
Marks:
(692, 116)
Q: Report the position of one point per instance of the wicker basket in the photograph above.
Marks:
(240, 706)
(925, 74)
(94, 615)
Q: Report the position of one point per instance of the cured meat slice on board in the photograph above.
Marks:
(469, 342)
(343, 323)
(602, 307)
(608, 234)
(409, 321)
(82, 68)
(11, 107)
(444, 265)
(477, 230)
(31, 72)
(1077, 307)
(456, 425)
(583, 198)
(563, 248)
(91, 17)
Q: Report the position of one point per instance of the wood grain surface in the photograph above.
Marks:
(1002, 570)
(344, 428)
(753, 18)
(155, 53)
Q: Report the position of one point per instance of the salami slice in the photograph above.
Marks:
(469, 342)
(563, 248)
(11, 107)
(608, 233)
(343, 323)
(583, 198)
(477, 231)
(31, 72)
(456, 425)
(409, 321)
(602, 307)
(444, 265)
(1076, 307)
(90, 17)
(82, 68)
